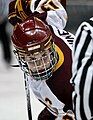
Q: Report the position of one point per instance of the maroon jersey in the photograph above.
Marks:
(59, 83)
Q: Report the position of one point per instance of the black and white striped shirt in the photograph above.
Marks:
(82, 72)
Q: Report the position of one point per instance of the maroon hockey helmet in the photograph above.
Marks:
(30, 33)
(34, 44)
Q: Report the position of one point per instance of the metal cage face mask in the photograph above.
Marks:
(41, 64)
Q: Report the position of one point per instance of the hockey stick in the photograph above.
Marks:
(27, 94)
(26, 86)
(28, 97)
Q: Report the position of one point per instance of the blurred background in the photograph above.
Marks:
(12, 90)
(78, 11)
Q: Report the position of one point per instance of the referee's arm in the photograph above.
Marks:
(82, 72)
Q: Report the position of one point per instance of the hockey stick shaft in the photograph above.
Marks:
(28, 97)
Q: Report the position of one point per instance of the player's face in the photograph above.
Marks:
(41, 60)
(38, 61)
(41, 63)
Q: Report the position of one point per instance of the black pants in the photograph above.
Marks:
(5, 41)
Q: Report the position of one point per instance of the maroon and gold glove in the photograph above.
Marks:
(46, 115)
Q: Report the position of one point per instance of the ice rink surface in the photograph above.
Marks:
(13, 104)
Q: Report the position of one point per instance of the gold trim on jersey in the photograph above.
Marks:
(19, 6)
(50, 5)
(11, 16)
(16, 3)
(61, 57)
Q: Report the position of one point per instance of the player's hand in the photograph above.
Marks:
(69, 115)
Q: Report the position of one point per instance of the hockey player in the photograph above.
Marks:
(45, 56)
(48, 61)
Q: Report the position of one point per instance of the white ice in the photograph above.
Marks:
(13, 104)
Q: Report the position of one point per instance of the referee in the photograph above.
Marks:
(82, 71)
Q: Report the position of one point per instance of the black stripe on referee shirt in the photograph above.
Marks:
(82, 84)
(84, 49)
(73, 79)
(90, 22)
(78, 38)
